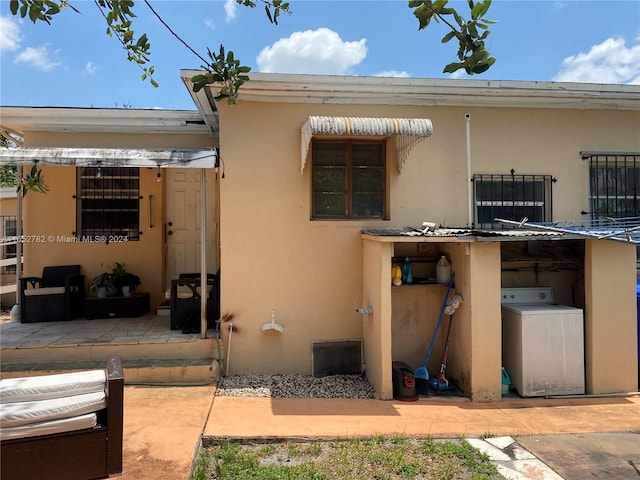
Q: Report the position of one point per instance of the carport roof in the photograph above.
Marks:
(607, 228)
(617, 229)
(457, 234)
(111, 157)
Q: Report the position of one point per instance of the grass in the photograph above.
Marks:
(378, 458)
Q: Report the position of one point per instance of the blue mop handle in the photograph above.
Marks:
(444, 304)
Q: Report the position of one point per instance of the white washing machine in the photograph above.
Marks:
(542, 343)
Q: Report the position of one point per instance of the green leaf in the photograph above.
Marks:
(142, 41)
(34, 14)
(439, 5)
(448, 37)
(480, 9)
(481, 68)
(13, 6)
(452, 67)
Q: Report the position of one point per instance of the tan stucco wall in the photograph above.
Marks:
(54, 214)
(140, 257)
(7, 206)
(485, 321)
(378, 348)
(610, 317)
(311, 272)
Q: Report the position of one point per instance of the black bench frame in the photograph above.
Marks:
(87, 454)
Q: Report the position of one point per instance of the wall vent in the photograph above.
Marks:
(336, 357)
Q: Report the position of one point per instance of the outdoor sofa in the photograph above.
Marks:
(64, 426)
(55, 296)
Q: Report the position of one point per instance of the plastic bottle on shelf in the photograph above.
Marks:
(407, 274)
(443, 270)
(396, 275)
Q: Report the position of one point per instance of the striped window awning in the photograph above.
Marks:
(408, 132)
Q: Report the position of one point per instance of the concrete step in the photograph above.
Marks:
(41, 350)
(162, 371)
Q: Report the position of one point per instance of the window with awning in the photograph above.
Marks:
(407, 132)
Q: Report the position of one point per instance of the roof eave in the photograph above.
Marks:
(326, 89)
(203, 100)
(90, 120)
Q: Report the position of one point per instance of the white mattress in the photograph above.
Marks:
(62, 425)
(43, 387)
(22, 413)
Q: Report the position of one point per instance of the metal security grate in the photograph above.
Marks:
(511, 197)
(108, 202)
(614, 185)
(9, 243)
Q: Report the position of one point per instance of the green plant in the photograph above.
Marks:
(101, 280)
(120, 277)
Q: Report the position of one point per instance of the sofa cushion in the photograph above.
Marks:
(43, 387)
(61, 425)
(32, 292)
(22, 413)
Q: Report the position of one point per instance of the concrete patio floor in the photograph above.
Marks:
(164, 425)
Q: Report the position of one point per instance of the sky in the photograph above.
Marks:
(72, 62)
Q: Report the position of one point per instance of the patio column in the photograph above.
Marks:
(610, 317)
(203, 253)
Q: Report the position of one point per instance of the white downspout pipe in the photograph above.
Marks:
(203, 253)
(469, 182)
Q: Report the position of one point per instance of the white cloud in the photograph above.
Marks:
(38, 57)
(319, 51)
(209, 23)
(90, 68)
(9, 34)
(608, 62)
(392, 73)
(460, 73)
(230, 8)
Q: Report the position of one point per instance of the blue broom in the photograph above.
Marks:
(422, 372)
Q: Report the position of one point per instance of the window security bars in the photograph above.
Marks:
(511, 197)
(108, 203)
(9, 243)
(614, 185)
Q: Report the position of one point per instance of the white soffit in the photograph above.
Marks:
(110, 157)
(408, 132)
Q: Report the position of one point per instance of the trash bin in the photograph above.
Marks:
(404, 382)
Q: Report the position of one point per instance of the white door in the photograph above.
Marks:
(182, 227)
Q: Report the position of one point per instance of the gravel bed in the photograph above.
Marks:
(295, 386)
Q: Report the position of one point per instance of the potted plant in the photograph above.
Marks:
(124, 282)
(101, 284)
